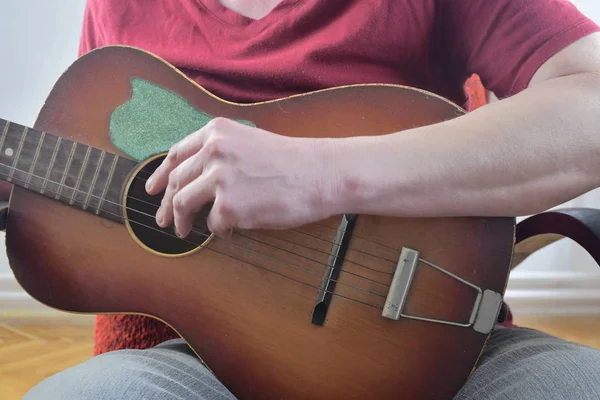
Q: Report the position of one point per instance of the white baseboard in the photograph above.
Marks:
(16, 303)
(528, 293)
(554, 293)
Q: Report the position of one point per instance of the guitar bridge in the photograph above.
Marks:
(485, 308)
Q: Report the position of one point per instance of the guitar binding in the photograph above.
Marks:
(139, 214)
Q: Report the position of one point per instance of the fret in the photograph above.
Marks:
(80, 176)
(94, 179)
(4, 162)
(113, 199)
(12, 140)
(59, 170)
(108, 182)
(24, 167)
(52, 161)
(105, 197)
(4, 133)
(89, 158)
(35, 159)
(16, 157)
(66, 171)
(74, 182)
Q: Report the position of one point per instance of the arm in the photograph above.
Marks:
(536, 148)
(519, 156)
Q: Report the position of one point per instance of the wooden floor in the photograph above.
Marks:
(33, 350)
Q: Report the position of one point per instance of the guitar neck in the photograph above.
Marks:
(70, 172)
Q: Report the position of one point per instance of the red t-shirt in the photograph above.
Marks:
(304, 45)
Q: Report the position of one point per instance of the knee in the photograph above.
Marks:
(567, 373)
(524, 363)
(166, 372)
(97, 378)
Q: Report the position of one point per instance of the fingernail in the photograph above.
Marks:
(149, 184)
(159, 216)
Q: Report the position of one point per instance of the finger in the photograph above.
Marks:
(177, 154)
(218, 223)
(189, 200)
(180, 177)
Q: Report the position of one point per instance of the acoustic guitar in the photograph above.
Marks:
(352, 307)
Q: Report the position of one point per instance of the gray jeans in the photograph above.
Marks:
(518, 363)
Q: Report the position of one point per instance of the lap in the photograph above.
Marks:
(522, 363)
(167, 372)
(518, 363)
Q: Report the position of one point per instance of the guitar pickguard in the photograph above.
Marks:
(153, 120)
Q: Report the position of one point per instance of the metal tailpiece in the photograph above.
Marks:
(485, 310)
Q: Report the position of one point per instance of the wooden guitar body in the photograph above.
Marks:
(246, 308)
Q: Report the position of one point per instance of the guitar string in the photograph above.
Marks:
(281, 248)
(248, 237)
(335, 243)
(227, 242)
(271, 271)
(303, 245)
(314, 223)
(119, 174)
(206, 236)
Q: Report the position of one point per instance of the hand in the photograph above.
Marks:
(257, 179)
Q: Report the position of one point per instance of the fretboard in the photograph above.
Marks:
(70, 172)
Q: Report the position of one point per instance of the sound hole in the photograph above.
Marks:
(141, 213)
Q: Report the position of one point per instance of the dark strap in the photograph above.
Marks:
(3, 215)
(582, 225)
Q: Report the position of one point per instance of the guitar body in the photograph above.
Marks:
(245, 313)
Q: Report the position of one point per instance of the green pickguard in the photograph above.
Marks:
(153, 120)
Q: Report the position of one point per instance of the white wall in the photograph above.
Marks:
(39, 39)
(562, 278)
(591, 8)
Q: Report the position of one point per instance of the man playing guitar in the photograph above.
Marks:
(534, 149)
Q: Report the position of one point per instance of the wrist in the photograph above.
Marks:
(368, 175)
(342, 186)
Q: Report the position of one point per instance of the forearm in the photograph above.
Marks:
(519, 156)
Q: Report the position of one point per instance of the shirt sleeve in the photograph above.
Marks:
(506, 41)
